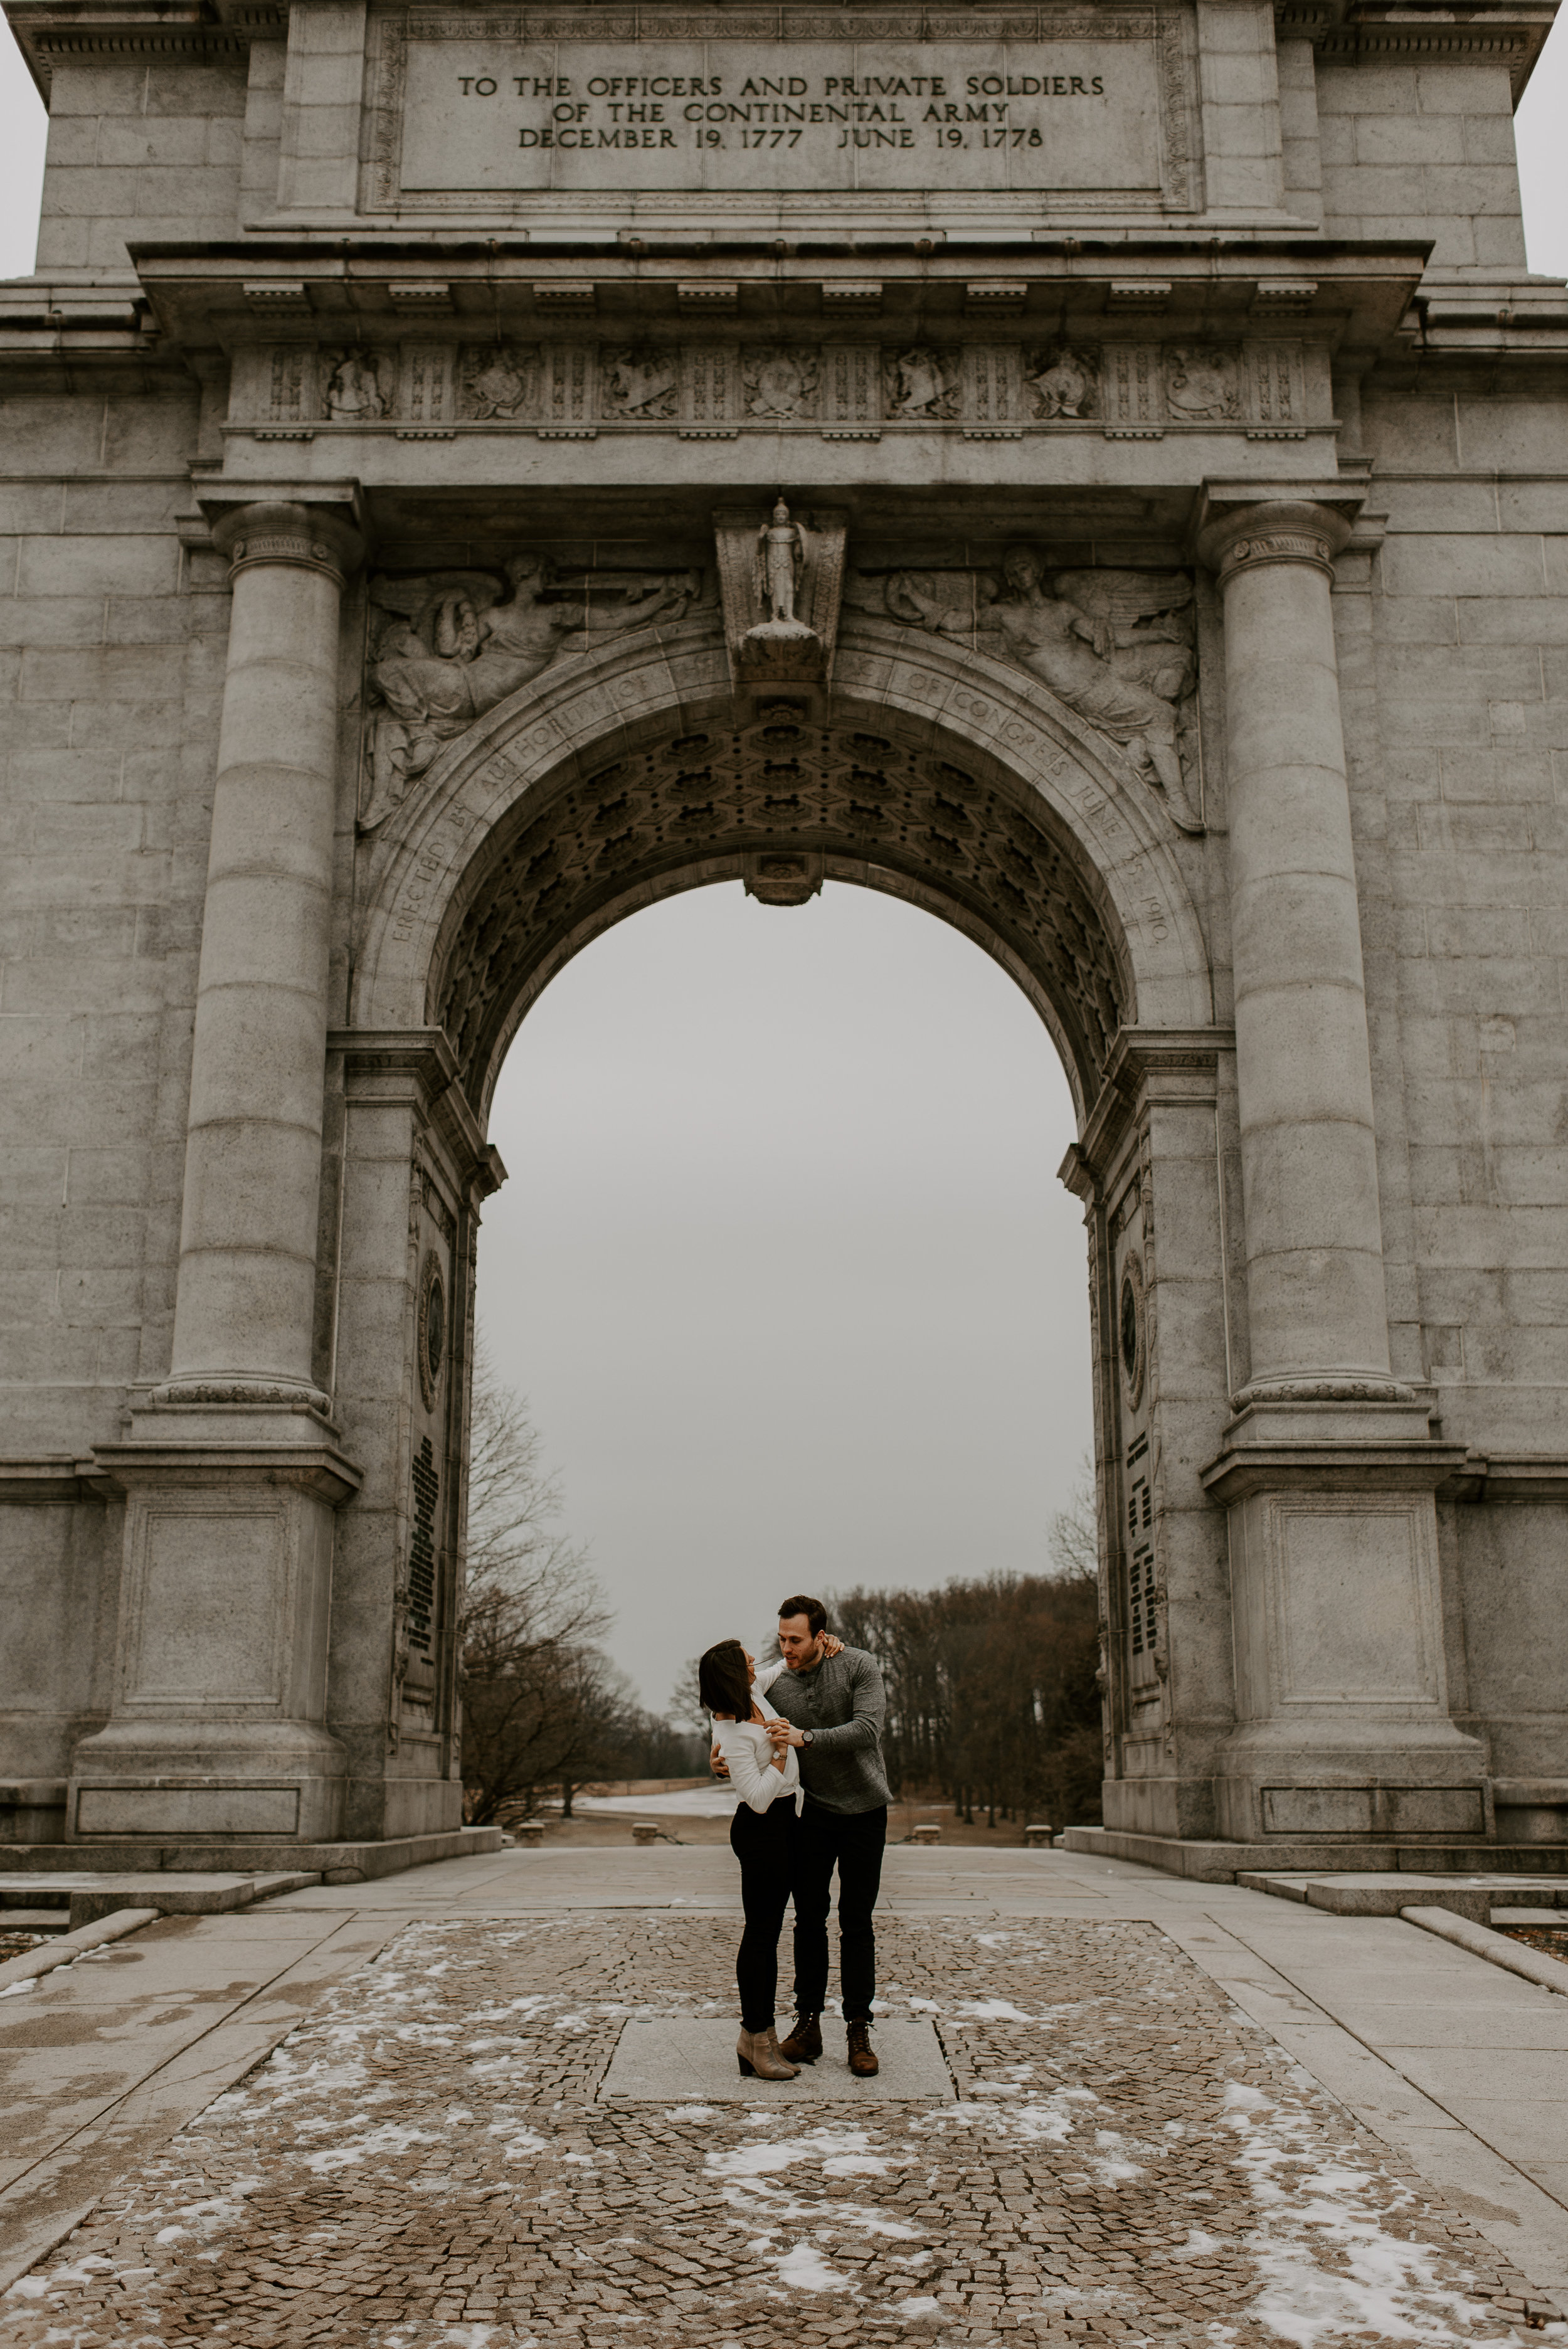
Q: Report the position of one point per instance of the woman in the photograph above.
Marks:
(762, 1837)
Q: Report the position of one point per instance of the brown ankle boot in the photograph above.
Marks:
(804, 2044)
(862, 2063)
(760, 2056)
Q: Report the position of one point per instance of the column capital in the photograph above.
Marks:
(1274, 529)
(275, 530)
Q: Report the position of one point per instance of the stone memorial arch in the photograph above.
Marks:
(511, 470)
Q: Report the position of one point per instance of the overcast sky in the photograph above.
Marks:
(783, 1266)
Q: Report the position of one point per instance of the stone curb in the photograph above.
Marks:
(113, 1928)
(1547, 1973)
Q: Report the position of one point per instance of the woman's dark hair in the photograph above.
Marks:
(722, 1681)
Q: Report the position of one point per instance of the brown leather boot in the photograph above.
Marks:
(759, 2057)
(804, 2044)
(862, 2063)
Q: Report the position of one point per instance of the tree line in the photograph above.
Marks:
(993, 1702)
(543, 1706)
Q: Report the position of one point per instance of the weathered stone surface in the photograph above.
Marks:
(1276, 847)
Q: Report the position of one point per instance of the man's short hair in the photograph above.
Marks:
(814, 1611)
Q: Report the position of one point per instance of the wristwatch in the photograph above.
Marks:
(805, 1737)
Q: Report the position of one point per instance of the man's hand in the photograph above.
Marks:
(715, 1761)
(784, 1733)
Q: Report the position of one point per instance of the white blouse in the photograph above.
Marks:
(748, 1751)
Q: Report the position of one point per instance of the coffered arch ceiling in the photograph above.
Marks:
(866, 798)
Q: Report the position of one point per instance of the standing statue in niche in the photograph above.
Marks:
(1114, 646)
(452, 647)
(782, 556)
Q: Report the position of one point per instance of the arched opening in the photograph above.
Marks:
(783, 803)
(636, 779)
(782, 1265)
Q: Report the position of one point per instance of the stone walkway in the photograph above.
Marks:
(428, 2159)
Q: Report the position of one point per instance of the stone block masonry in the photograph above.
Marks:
(1170, 592)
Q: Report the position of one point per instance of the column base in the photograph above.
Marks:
(218, 1727)
(184, 1781)
(1210, 1860)
(1341, 1692)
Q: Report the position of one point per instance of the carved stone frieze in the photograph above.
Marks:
(1116, 648)
(1201, 386)
(500, 383)
(995, 388)
(353, 390)
(1062, 382)
(922, 386)
(781, 385)
(448, 646)
(642, 385)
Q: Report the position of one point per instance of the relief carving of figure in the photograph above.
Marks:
(497, 383)
(1200, 386)
(781, 558)
(452, 647)
(354, 393)
(779, 384)
(1114, 646)
(1064, 385)
(921, 388)
(641, 384)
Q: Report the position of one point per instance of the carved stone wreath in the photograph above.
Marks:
(431, 1339)
(1131, 1332)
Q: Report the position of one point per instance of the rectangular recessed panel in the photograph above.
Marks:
(188, 1810)
(692, 2060)
(483, 110)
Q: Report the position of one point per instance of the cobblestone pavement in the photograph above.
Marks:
(1128, 2160)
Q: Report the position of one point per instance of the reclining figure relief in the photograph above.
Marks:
(447, 647)
(1113, 647)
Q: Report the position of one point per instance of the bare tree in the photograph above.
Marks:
(542, 1704)
(533, 1614)
(686, 1706)
(1075, 1530)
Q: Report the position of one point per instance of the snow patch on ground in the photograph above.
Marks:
(805, 2269)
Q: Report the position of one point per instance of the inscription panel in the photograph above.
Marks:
(727, 115)
(1067, 104)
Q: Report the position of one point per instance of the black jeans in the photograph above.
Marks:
(764, 1843)
(853, 1842)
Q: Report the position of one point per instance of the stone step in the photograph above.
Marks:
(84, 1895)
(1482, 1898)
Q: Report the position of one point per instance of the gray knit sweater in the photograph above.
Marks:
(841, 1702)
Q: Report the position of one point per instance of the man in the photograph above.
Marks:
(833, 1709)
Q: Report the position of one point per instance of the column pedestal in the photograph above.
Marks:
(1328, 1470)
(217, 1729)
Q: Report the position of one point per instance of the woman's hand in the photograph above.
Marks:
(832, 1647)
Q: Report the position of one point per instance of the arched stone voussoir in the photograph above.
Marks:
(1127, 838)
(626, 778)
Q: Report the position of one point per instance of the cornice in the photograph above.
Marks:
(1510, 33)
(50, 29)
(1173, 1065)
(418, 1066)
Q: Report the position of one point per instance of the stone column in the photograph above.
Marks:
(245, 1304)
(1328, 1468)
(1317, 1315)
(233, 1471)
